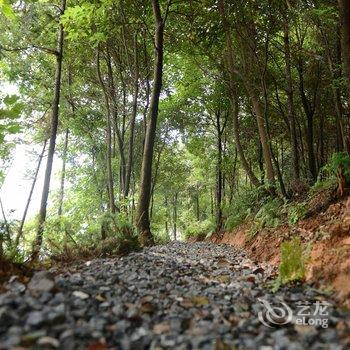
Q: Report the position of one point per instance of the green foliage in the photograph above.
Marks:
(195, 111)
(9, 113)
(296, 212)
(119, 237)
(341, 161)
(85, 21)
(6, 10)
(269, 215)
(292, 266)
(327, 178)
(198, 228)
(243, 205)
(324, 183)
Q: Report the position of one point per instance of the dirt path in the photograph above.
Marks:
(178, 296)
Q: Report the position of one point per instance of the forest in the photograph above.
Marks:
(149, 122)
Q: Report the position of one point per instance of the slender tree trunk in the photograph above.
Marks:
(247, 168)
(197, 204)
(110, 183)
(166, 216)
(322, 160)
(263, 137)
(344, 7)
(233, 96)
(309, 112)
(143, 220)
(147, 95)
(133, 119)
(175, 216)
(114, 116)
(218, 191)
(336, 73)
(94, 174)
(291, 109)
(63, 174)
(21, 225)
(52, 143)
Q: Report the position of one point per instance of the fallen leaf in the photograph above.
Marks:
(161, 328)
(200, 300)
(147, 307)
(220, 345)
(99, 297)
(187, 304)
(224, 278)
(98, 346)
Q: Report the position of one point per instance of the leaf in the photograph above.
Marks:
(99, 297)
(13, 129)
(147, 307)
(161, 328)
(98, 346)
(224, 278)
(10, 99)
(6, 10)
(200, 300)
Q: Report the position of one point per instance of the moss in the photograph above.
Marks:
(292, 266)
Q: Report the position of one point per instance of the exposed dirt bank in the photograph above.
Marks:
(328, 233)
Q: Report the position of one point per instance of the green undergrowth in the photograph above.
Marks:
(198, 229)
(294, 255)
(263, 210)
(114, 235)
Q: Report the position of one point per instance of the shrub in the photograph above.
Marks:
(113, 235)
(327, 178)
(243, 205)
(161, 238)
(341, 160)
(197, 228)
(296, 212)
(269, 215)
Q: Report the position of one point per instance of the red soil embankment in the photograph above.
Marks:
(328, 232)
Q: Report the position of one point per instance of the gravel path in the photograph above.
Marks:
(178, 296)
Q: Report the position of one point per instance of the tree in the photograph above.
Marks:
(344, 8)
(143, 221)
(53, 135)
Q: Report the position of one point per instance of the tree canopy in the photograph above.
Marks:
(166, 112)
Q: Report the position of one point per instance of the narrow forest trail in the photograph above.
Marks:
(177, 296)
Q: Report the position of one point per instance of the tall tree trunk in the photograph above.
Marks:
(114, 117)
(263, 136)
(218, 191)
(233, 96)
(344, 7)
(133, 119)
(52, 144)
(63, 174)
(20, 229)
(166, 216)
(175, 216)
(143, 221)
(335, 72)
(291, 109)
(197, 204)
(109, 109)
(309, 112)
